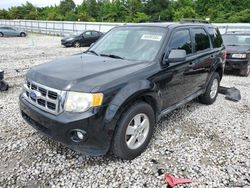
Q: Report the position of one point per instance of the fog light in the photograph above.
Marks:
(80, 135)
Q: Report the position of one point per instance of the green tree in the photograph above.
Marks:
(66, 6)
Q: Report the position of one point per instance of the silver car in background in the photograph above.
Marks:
(11, 32)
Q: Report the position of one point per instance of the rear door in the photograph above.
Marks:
(178, 81)
(95, 35)
(87, 38)
(203, 52)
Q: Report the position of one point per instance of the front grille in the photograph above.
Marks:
(43, 97)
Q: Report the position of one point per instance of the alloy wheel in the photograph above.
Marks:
(214, 88)
(137, 131)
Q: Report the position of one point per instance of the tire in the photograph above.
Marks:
(142, 112)
(1, 34)
(77, 44)
(212, 90)
(22, 34)
(245, 71)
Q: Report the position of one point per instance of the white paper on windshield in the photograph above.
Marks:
(151, 37)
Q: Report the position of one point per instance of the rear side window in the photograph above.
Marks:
(215, 37)
(181, 40)
(94, 33)
(201, 39)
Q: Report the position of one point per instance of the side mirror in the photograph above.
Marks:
(176, 56)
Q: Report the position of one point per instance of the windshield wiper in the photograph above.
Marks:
(232, 45)
(112, 56)
(93, 52)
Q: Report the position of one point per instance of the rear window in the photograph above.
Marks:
(201, 39)
(215, 37)
(236, 40)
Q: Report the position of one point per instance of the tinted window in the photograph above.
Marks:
(201, 39)
(181, 40)
(87, 34)
(94, 33)
(215, 37)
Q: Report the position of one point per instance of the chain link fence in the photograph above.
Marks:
(64, 27)
(57, 27)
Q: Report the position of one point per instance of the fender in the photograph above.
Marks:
(129, 92)
(218, 64)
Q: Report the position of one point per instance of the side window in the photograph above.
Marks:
(94, 33)
(216, 37)
(181, 40)
(201, 39)
(87, 34)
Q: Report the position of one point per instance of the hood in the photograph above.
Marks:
(70, 36)
(83, 72)
(238, 48)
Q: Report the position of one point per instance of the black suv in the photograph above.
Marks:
(111, 96)
(238, 51)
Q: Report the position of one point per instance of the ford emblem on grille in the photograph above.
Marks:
(35, 95)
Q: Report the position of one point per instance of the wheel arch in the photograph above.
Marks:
(139, 91)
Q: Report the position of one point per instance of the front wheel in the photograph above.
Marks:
(77, 45)
(212, 90)
(1, 34)
(134, 131)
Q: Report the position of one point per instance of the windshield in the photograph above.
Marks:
(231, 40)
(131, 43)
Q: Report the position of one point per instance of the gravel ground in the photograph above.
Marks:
(209, 144)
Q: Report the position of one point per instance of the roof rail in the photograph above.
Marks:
(192, 20)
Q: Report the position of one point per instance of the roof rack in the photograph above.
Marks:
(192, 20)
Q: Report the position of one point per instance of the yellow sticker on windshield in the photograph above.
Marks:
(151, 37)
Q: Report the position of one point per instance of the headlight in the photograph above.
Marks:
(240, 56)
(81, 102)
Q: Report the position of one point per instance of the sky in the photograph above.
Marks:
(5, 4)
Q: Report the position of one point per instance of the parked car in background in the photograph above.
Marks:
(110, 97)
(238, 51)
(78, 39)
(11, 32)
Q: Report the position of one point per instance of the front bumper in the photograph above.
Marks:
(236, 64)
(67, 43)
(96, 140)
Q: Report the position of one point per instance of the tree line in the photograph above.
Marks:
(134, 11)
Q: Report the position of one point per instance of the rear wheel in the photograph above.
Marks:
(245, 71)
(134, 131)
(212, 90)
(22, 34)
(77, 45)
(1, 34)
